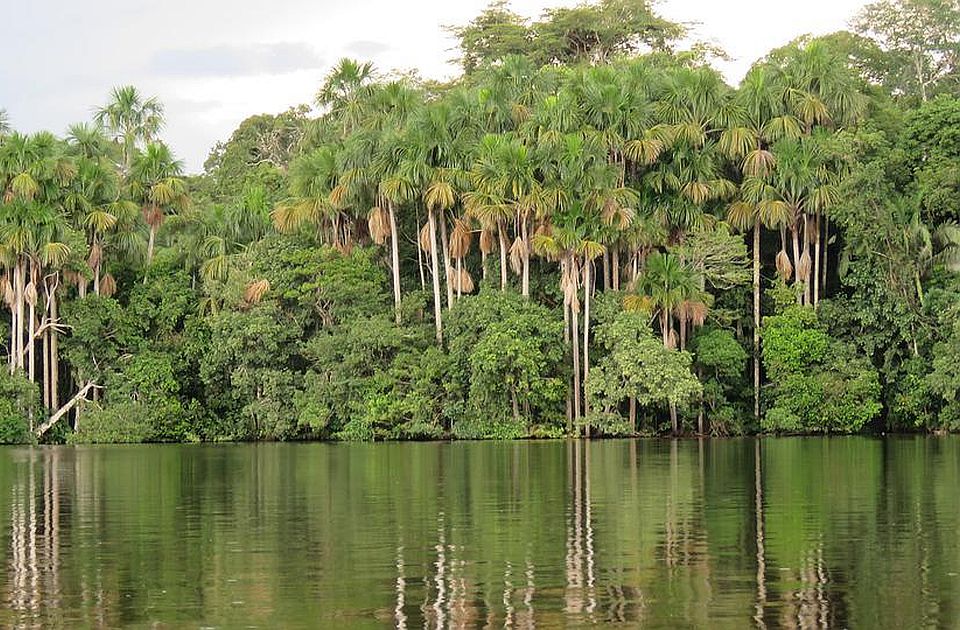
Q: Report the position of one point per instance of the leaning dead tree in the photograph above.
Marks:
(64, 410)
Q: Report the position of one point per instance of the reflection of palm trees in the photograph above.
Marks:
(34, 583)
(580, 595)
(761, 553)
(399, 616)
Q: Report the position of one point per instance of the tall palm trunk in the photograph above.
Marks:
(569, 271)
(577, 398)
(826, 250)
(54, 352)
(606, 270)
(806, 256)
(150, 244)
(815, 280)
(525, 287)
(435, 268)
(615, 255)
(31, 331)
(395, 259)
(756, 320)
(423, 278)
(795, 236)
(587, 264)
(566, 343)
(446, 258)
(19, 282)
(502, 234)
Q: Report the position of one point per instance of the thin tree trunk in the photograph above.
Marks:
(526, 257)
(756, 320)
(395, 259)
(31, 342)
(616, 269)
(459, 278)
(576, 364)
(435, 267)
(423, 278)
(151, 243)
(446, 258)
(826, 250)
(815, 281)
(46, 349)
(501, 231)
(633, 413)
(796, 257)
(587, 264)
(54, 353)
(566, 342)
(674, 422)
(806, 253)
(682, 319)
(19, 281)
(606, 270)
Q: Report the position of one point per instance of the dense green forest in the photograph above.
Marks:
(589, 232)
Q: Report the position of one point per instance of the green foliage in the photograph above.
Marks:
(637, 365)
(17, 396)
(818, 384)
(720, 361)
(506, 372)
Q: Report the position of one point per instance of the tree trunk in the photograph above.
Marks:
(54, 353)
(566, 342)
(826, 250)
(587, 264)
(682, 320)
(434, 265)
(446, 258)
(395, 259)
(526, 257)
(150, 244)
(756, 320)
(459, 278)
(423, 277)
(19, 282)
(616, 269)
(674, 422)
(606, 270)
(575, 316)
(45, 363)
(794, 234)
(806, 253)
(501, 231)
(633, 413)
(664, 328)
(815, 281)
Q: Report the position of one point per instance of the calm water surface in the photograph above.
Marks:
(841, 532)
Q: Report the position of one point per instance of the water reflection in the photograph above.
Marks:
(773, 533)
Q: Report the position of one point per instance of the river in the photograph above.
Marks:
(793, 532)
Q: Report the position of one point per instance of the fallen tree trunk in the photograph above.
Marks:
(62, 411)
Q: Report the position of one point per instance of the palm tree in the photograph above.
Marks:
(158, 187)
(759, 119)
(668, 287)
(343, 91)
(33, 174)
(5, 127)
(132, 121)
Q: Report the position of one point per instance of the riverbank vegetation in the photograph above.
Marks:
(589, 232)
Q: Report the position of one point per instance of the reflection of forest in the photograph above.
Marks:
(778, 533)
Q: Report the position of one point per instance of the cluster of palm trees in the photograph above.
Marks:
(603, 172)
(67, 207)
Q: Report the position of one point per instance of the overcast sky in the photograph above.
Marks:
(215, 62)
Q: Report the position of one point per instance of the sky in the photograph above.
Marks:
(215, 62)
